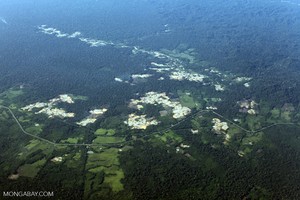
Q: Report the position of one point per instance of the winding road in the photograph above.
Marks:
(161, 132)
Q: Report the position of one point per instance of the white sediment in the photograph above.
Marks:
(247, 85)
(95, 42)
(140, 121)
(74, 35)
(170, 63)
(13, 176)
(248, 106)
(140, 76)
(118, 79)
(56, 159)
(160, 70)
(211, 108)
(90, 41)
(219, 87)
(251, 111)
(184, 75)
(94, 114)
(242, 79)
(157, 64)
(194, 131)
(219, 126)
(55, 112)
(65, 98)
(184, 146)
(49, 109)
(156, 98)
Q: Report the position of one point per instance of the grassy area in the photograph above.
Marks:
(79, 97)
(186, 99)
(279, 116)
(71, 140)
(233, 131)
(106, 158)
(77, 156)
(31, 170)
(111, 132)
(106, 162)
(22, 119)
(286, 116)
(252, 139)
(36, 144)
(275, 113)
(35, 130)
(102, 131)
(185, 55)
(111, 155)
(169, 136)
(107, 140)
(254, 122)
(4, 115)
(33, 146)
(114, 180)
(92, 186)
(11, 93)
(97, 169)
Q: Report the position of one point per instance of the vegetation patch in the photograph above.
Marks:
(105, 163)
(114, 180)
(169, 137)
(71, 140)
(31, 170)
(35, 130)
(107, 140)
(12, 93)
(102, 131)
(186, 99)
(79, 97)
